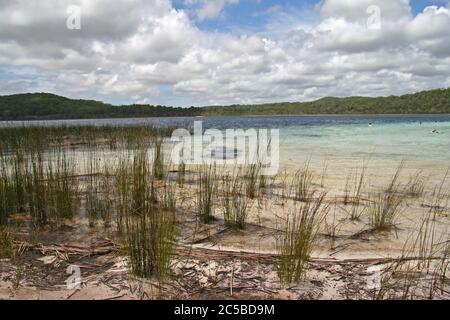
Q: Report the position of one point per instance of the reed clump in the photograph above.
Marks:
(168, 197)
(8, 250)
(384, 210)
(355, 198)
(159, 169)
(235, 203)
(299, 236)
(99, 206)
(421, 271)
(6, 243)
(181, 174)
(206, 191)
(63, 188)
(416, 185)
(7, 194)
(252, 176)
(51, 190)
(149, 237)
(386, 206)
(302, 184)
(146, 225)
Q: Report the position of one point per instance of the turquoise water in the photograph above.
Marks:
(341, 141)
(385, 143)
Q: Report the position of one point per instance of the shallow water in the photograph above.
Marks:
(340, 141)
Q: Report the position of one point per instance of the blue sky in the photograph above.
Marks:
(207, 52)
(255, 14)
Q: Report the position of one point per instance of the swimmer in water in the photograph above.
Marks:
(370, 124)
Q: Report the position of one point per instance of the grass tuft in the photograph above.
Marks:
(235, 203)
(299, 237)
(206, 190)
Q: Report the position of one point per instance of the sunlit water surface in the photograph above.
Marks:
(340, 142)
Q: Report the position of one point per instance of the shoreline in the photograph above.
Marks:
(418, 115)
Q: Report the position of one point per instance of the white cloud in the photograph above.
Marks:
(145, 50)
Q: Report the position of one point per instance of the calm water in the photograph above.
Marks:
(341, 141)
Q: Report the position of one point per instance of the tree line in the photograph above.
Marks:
(46, 106)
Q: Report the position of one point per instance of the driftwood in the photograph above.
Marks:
(184, 251)
(70, 250)
(195, 252)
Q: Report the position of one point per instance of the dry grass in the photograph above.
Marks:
(422, 270)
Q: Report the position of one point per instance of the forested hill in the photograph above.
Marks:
(45, 106)
(425, 102)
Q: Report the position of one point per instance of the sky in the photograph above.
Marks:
(220, 52)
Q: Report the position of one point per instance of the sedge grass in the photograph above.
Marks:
(206, 191)
(299, 236)
(302, 184)
(147, 227)
(235, 203)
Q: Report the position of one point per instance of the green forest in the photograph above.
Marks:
(46, 106)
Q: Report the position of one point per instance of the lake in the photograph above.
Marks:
(342, 141)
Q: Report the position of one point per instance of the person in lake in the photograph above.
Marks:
(370, 124)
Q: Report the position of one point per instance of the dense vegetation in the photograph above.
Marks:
(426, 102)
(44, 106)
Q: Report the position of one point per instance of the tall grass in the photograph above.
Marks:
(168, 198)
(147, 227)
(51, 190)
(12, 183)
(181, 174)
(394, 185)
(416, 185)
(422, 269)
(38, 192)
(99, 205)
(100, 200)
(323, 175)
(440, 197)
(29, 137)
(149, 236)
(299, 236)
(7, 194)
(235, 203)
(206, 191)
(356, 211)
(251, 178)
(122, 192)
(158, 161)
(9, 251)
(384, 210)
(386, 206)
(6, 243)
(302, 184)
(63, 187)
